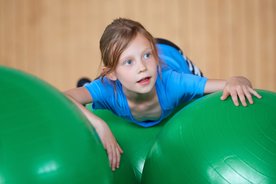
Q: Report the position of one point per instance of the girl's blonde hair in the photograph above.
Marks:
(115, 40)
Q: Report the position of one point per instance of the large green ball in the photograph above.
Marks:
(135, 141)
(213, 141)
(43, 136)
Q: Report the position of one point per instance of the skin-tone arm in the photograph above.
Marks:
(239, 88)
(80, 96)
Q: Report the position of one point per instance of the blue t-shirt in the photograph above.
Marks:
(175, 86)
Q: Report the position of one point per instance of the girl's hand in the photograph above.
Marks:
(109, 142)
(239, 88)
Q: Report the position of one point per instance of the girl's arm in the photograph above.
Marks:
(238, 87)
(80, 96)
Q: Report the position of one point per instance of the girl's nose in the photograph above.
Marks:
(142, 66)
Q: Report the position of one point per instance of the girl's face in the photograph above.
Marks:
(137, 67)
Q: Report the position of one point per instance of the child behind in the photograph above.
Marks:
(136, 85)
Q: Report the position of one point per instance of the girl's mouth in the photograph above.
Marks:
(144, 81)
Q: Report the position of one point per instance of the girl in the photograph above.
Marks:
(136, 85)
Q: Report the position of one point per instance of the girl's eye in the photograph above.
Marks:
(147, 55)
(128, 62)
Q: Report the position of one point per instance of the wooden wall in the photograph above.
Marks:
(57, 40)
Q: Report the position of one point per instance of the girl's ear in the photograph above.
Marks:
(110, 75)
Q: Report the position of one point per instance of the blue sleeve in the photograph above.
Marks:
(101, 92)
(172, 58)
(181, 87)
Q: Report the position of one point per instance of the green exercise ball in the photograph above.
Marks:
(213, 141)
(44, 138)
(135, 141)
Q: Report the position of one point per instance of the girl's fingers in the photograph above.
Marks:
(243, 93)
(234, 97)
(120, 149)
(239, 91)
(241, 96)
(118, 158)
(252, 91)
(248, 95)
(111, 156)
(224, 95)
(114, 156)
(119, 152)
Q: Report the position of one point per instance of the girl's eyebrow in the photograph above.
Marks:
(124, 58)
(148, 48)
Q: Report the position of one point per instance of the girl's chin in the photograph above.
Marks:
(144, 91)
